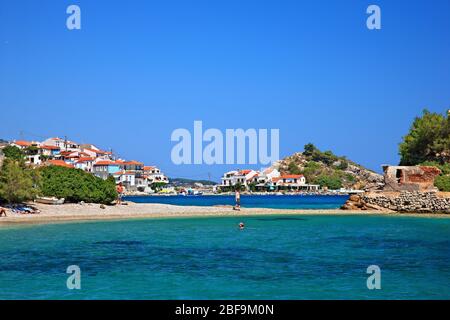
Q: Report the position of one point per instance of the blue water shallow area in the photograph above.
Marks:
(274, 257)
(250, 201)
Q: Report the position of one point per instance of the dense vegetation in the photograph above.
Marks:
(14, 153)
(428, 143)
(75, 185)
(19, 183)
(323, 168)
(427, 140)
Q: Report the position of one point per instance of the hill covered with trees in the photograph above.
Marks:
(329, 170)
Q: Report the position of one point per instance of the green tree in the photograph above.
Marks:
(14, 153)
(309, 149)
(293, 168)
(427, 140)
(252, 186)
(75, 185)
(157, 186)
(17, 183)
(331, 182)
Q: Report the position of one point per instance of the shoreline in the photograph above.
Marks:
(67, 213)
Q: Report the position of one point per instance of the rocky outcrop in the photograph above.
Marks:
(408, 202)
(356, 202)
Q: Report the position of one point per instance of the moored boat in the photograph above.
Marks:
(50, 200)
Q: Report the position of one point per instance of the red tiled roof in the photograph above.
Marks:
(147, 168)
(104, 163)
(119, 173)
(107, 163)
(291, 176)
(49, 147)
(85, 159)
(23, 143)
(97, 151)
(59, 163)
(244, 172)
(132, 162)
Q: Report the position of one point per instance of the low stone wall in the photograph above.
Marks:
(412, 202)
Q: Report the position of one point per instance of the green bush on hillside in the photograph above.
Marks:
(331, 182)
(75, 185)
(293, 168)
(442, 183)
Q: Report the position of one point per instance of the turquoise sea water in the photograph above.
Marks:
(276, 257)
(251, 201)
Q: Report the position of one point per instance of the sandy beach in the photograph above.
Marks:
(90, 212)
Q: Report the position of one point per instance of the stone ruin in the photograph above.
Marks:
(410, 178)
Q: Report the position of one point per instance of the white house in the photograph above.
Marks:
(242, 177)
(64, 145)
(85, 163)
(127, 178)
(153, 174)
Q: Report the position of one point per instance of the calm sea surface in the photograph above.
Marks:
(266, 201)
(277, 257)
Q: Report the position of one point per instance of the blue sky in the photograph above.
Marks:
(137, 70)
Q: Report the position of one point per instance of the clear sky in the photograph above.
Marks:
(137, 70)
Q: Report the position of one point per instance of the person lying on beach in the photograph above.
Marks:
(2, 211)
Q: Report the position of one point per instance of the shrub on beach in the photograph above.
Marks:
(75, 185)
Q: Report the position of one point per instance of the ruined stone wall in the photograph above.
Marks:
(410, 178)
(412, 202)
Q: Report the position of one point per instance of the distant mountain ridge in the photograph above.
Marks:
(190, 182)
(329, 170)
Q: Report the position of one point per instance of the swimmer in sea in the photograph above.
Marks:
(241, 226)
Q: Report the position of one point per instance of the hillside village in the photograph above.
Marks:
(132, 174)
(296, 173)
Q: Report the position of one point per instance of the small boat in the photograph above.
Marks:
(49, 200)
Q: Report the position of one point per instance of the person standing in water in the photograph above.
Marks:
(119, 193)
(237, 197)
